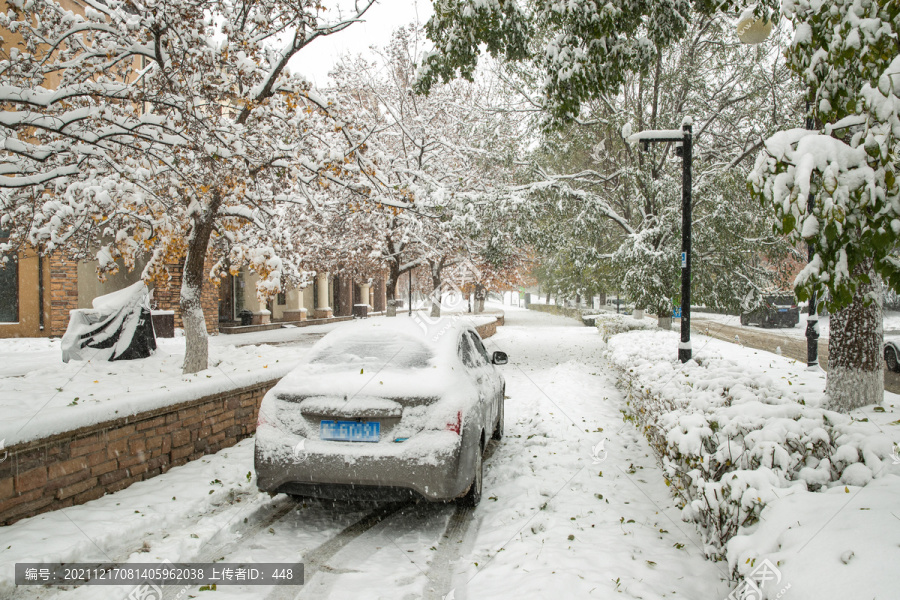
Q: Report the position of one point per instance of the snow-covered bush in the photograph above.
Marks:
(563, 311)
(613, 324)
(732, 435)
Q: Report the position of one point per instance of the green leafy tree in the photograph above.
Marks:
(846, 54)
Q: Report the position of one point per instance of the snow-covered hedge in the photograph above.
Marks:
(563, 311)
(734, 430)
(613, 324)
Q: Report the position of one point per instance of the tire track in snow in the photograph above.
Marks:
(316, 560)
(449, 551)
(245, 530)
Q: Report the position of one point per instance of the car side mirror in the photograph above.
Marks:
(499, 358)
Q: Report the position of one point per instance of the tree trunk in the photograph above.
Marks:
(196, 353)
(855, 366)
(435, 287)
(480, 293)
(391, 287)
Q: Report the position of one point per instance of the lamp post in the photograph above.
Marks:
(685, 151)
(751, 30)
(812, 317)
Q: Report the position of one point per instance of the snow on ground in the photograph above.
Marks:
(765, 413)
(574, 500)
(573, 505)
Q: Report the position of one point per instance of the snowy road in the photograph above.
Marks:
(562, 514)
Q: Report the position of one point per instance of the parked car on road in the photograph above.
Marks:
(382, 409)
(892, 354)
(777, 310)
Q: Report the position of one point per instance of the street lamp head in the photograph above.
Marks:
(751, 30)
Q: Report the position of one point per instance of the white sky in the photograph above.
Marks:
(380, 21)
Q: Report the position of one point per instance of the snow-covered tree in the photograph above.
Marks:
(609, 215)
(156, 126)
(845, 52)
(436, 150)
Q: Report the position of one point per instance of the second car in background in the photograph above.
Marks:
(776, 311)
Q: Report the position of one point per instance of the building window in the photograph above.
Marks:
(282, 299)
(9, 284)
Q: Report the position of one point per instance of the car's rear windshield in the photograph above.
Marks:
(781, 300)
(396, 353)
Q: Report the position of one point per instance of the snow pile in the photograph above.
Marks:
(737, 430)
(613, 324)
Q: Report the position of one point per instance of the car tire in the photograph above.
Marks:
(473, 496)
(498, 429)
(890, 357)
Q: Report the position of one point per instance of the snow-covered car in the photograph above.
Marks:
(381, 409)
(779, 310)
(892, 354)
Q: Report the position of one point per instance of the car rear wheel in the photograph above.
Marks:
(473, 496)
(890, 357)
(498, 429)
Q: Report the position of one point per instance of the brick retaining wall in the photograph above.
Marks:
(77, 466)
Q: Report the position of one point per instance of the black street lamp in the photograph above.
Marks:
(812, 317)
(751, 30)
(685, 151)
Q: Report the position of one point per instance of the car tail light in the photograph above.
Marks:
(455, 426)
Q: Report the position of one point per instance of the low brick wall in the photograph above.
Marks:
(78, 466)
(489, 329)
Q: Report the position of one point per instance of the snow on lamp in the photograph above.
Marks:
(751, 30)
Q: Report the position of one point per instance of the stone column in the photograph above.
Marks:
(364, 294)
(380, 302)
(323, 311)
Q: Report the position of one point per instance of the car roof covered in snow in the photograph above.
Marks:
(391, 357)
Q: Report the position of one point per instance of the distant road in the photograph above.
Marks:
(769, 340)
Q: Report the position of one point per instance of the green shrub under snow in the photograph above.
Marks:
(734, 430)
(613, 324)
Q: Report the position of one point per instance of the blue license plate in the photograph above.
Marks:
(350, 431)
(782, 310)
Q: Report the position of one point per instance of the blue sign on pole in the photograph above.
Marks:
(676, 312)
